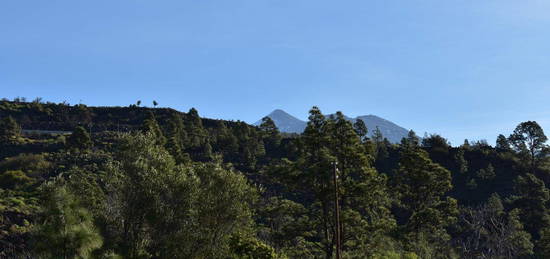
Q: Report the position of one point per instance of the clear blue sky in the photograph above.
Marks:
(462, 68)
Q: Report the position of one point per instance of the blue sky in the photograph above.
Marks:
(462, 68)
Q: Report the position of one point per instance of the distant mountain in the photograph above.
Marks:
(285, 122)
(393, 132)
(290, 124)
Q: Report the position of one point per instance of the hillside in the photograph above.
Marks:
(255, 192)
(63, 117)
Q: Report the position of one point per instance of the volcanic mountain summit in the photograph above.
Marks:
(290, 124)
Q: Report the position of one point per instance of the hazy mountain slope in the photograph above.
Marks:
(389, 130)
(285, 122)
(290, 124)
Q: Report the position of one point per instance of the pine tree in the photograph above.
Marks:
(227, 142)
(360, 129)
(529, 140)
(461, 162)
(9, 130)
(206, 153)
(383, 155)
(365, 214)
(523, 246)
(466, 144)
(436, 143)
(487, 173)
(531, 198)
(310, 176)
(176, 135)
(377, 136)
(65, 229)
(420, 186)
(150, 124)
(502, 144)
(79, 139)
(268, 126)
(197, 135)
(364, 199)
(411, 141)
(270, 135)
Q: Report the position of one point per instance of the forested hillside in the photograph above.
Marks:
(137, 182)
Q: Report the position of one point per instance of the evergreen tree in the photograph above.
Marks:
(522, 240)
(197, 136)
(65, 229)
(79, 139)
(286, 223)
(164, 210)
(150, 124)
(531, 198)
(461, 162)
(251, 145)
(421, 185)
(381, 146)
(194, 128)
(270, 134)
(420, 182)
(383, 155)
(487, 173)
(412, 141)
(364, 199)
(377, 136)
(529, 140)
(365, 215)
(436, 143)
(206, 153)
(142, 168)
(310, 176)
(502, 144)
(268, 126)
(495, 205)
(176, 138)
(9, 130)
(360, 129)
(466, 144)
(227, 142)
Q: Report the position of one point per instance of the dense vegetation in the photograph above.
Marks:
(136, 182)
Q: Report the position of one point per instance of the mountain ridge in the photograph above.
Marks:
(290, 124)
(285, 122)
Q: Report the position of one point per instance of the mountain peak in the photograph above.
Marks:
(290, 124)
(285, 122)
(393, 132)
(279, 112)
